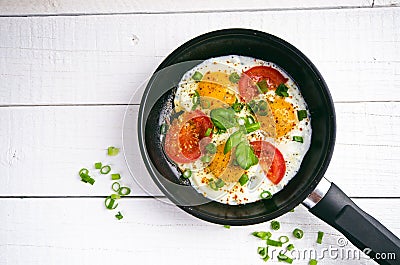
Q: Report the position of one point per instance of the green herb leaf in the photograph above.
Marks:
(211, 148)
(262, 86)
(282, 90)
(234, 77)
(245, 156)
(233, 141)
(223, 118)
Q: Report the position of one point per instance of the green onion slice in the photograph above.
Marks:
(262, 234)
(298, 139)
(83, 171)
(212, 185)
(112, 151)
(211, 148)
(206, 159)
(187, 173)
(87, 179)
(275, 225)
(237, 106)
(105, 169)
(227, 226)
(290, 247)
(252, 127)
(284, 258)
(298, 233)
(313, 262)
(115, 186)
(265, 195)
(219, 183)
(274, 243)
(263, 252)
(197, 76)
(115, 196)
(234, 77)
(97, 165)
(320, 236)
(262, 86)
(301, 114)
(119, 216)
(110, 203)
(115, 176)
(282, 90)
(124, 191)
(284, 239)
(163, 128)
(205, 104)
(208, 132)
(243, 179)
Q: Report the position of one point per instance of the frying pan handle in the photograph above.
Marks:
(366, 233)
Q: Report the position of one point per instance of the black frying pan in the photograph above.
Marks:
(324, 199)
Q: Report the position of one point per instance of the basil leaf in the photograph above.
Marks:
(223, 118)
(233, 141)
(245, 156)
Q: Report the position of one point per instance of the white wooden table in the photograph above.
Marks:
(68, 70)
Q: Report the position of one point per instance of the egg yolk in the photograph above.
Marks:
(283, 115)
(216, 85)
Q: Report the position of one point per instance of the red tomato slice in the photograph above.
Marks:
(271, 160)
(186, 136)
(248, 80)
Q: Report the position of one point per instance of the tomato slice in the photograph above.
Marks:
(186, 138)
(271, 160)
(247, 83)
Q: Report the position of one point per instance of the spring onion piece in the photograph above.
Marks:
(265, 195)
(83, 171)
(124, 191)
(234, 77)
(115, 186)
(205, 104)
(243, 179)
(313, 262)
(212, 185)
(87, 179)
(219, 183)
(263, 252)
(298, 139)
(115, 176)
(275, 225)
(262, 86)
(282, 90)
(97, 165)
(298, 233)
(187, 173)
(119, 216)
(292, 211)
(227, 226)
(284, 258)
(320, 236)
(262, 105)
(262, 234)
(251, 104)
(206, 159)
(163, 128)
(208, 132)
(105, 169)
(290, 247)
(195, 100)
(211, 148)
(112, 151)
(252, 127)
(237, 106)
(197, 76)
(301, 114)
(110, 203)
(115, 196)
(263, 113)
(274, 243)
(284, 239)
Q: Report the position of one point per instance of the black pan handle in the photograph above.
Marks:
(332, 205)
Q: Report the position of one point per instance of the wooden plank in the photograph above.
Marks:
(44, 147)
(104, 59)
(54, 7)
(72, 231)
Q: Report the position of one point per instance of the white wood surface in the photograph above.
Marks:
(67, 72)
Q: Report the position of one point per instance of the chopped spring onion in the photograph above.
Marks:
(298, 139)
(282, 90)
(274, 243)
(208, 132)
(115, 186)
(284, 258)
(301, 114)
(84, 171)
(237, 106)
(195, 100)
(290, 247)
(112, 151)
(234, 77)
(266, 195)
(115, 196)
(262, 105)
(320, 236)
(263, 252)
(275, 225)
(105, 169)
(262, 86)
(292, 211)
(250, 119)
(298, 233)
(197, 76)
(211, 148)
(205, 104)
(227, 226)
(243, 179)
(124, 191)
(187, 173)
(110, 203)
(87, 179)
(115, 176)
(262, 234)
(97, 165)
(251, 104)
(283, 239)
(119, 216)
(263, 113)
(220, 183)
(212, 185)
(206, 159)
(163, 128)
(252, 127)
(313, 262)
